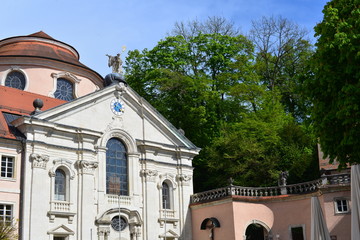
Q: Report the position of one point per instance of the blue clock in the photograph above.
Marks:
(117, 107)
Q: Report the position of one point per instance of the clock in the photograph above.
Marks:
(117, 107)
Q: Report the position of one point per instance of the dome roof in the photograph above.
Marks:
(41, 45)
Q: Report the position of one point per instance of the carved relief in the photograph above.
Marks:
(103, 231)
(87, 167)
(167, 176)
(39, 160)
(184, 179)
(64, 163)
(150, 175)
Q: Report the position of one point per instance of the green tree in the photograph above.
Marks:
(192, 78)
(282, 55)
(335, 88)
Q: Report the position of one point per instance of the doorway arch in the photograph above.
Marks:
(257, 230)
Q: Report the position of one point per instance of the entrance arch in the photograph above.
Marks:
(257, 230)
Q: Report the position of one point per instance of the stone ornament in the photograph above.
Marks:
(183, 178)
(150, 175)
(87, 167)
(39, 160)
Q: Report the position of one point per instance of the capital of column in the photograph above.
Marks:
(39, 160)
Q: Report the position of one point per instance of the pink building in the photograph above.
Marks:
(281, 213)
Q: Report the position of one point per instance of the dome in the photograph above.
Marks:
(41, 45)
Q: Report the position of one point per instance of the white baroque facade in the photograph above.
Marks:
(104, 165)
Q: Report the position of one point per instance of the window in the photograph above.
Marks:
(60, 185)
(64, 89)
(118, 224)
(15, 79)
(59, 238)
(116, 168)
(6, 214)
(7, 167)
(341, 206)
(165, 196)
(297, 233)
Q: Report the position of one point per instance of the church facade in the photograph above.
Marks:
(89, 160)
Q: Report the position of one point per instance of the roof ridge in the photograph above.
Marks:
(41, 34)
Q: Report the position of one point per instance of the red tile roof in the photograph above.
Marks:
(20, 102)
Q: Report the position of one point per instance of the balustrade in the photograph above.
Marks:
(306, 187)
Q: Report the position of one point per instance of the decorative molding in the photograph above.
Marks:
(167, 177)
(67, 164)
(87, 167)
(135, 230)
(150, 175)
(71, 77)
(103, 231)
(120, 89)
(183, 178)
(39, 160)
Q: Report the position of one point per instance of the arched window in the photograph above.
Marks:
(60, 185)
(116, 168)
(64, 89)
(15, 79)
(166, 196)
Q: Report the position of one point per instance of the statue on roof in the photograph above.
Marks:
(115, 62)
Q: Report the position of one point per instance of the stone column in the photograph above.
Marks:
(39, 195)
(86, 201)
(103, 233)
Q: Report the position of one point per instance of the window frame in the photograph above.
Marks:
(15, 69)
(119, 172)
(297, 226)
(169, 203)
(69, 77)
(65, 186)
(3, 217)
(13, 175)
(336, 205)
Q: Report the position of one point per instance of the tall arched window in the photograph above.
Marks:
(15, 79)
(60, 185)
(165, 196)
(116, 168)
(64, 89)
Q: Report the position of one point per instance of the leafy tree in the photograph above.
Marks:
(209, 73)
(192, 78)
(282, 57)
(335, 88)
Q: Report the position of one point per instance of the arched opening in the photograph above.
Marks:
(256, 231)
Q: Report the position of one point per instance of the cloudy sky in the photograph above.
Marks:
(99, 27)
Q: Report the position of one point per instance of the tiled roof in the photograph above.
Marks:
(18, 102)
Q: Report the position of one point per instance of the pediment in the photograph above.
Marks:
(94, 114)
(61, 230)
(169, 234)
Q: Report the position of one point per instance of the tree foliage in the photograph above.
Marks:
(207, 80)
(335, 88)
(283, 54)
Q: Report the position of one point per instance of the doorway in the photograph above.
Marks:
(256, 231)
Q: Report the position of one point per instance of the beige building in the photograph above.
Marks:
(273, 213)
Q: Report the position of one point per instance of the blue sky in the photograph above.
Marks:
(96, 28)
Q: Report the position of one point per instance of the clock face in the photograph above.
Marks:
(117, 107)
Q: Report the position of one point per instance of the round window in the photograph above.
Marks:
(15, 79)
(118, 224)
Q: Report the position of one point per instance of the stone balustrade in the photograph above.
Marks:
(60, 206)
(114, 200)
(300, 188)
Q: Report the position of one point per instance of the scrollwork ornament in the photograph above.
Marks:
(87, 167)
(150, 175)
(183, 178)
(39, 160)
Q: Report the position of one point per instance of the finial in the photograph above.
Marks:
(38, 104)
